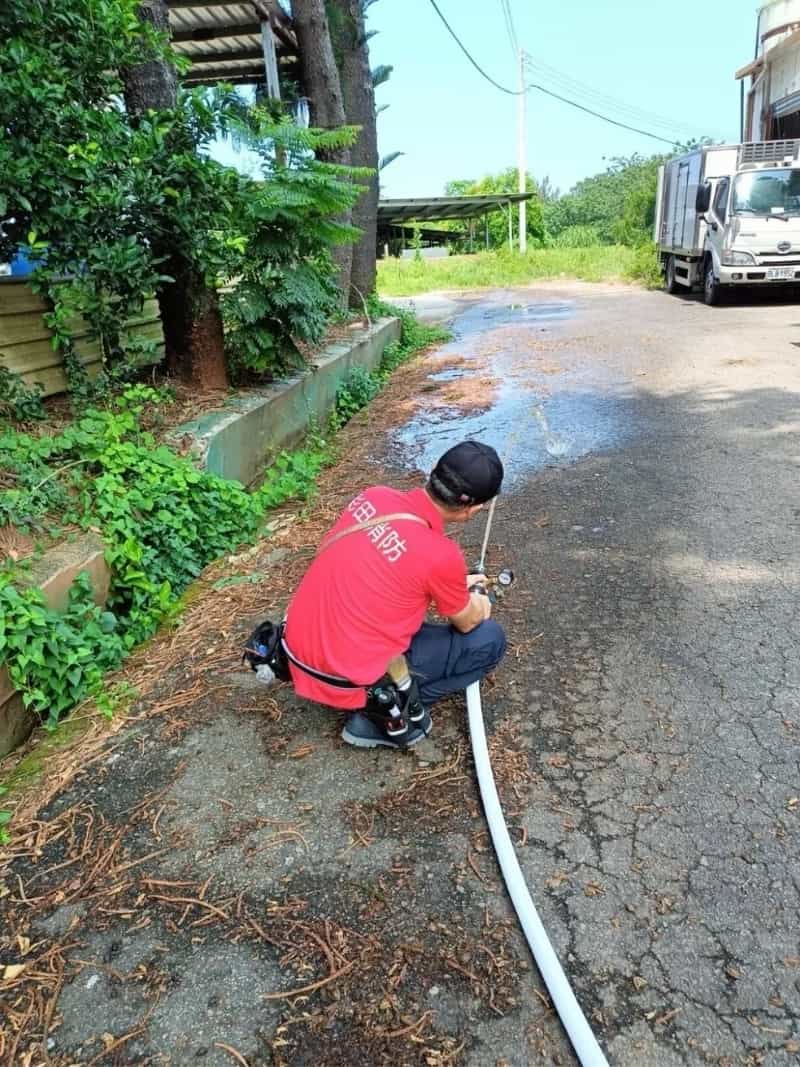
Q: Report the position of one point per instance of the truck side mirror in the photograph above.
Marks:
(703, 199)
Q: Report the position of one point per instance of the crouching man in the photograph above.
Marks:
(356, 635)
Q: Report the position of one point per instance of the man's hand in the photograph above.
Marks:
(476, 579)
(478, 609)
(484, 605)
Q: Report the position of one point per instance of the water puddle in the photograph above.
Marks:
(540, 415)
(450, 375)
(477, 317)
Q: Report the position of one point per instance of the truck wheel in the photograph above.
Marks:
(670, 284)
(711, 287)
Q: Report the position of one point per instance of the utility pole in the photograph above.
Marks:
(522, 156)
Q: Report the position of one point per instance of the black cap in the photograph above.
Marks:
(467, 474)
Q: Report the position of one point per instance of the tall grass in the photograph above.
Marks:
(407, 277)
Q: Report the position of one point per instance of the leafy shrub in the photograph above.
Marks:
(18, 401)
(271, 308)
(578, 236)
(126, 204)
(284, 282)
(645, 267)
(355, 391)
(56, 659)
(162, 522)
(293, 475)
(360, 386)
(414, 334)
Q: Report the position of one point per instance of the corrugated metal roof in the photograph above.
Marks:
(443, 207)
(223, 38)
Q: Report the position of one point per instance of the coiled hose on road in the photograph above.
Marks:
(574, 1021)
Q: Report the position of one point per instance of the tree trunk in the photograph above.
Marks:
(190, 313)
(323, 89)
(193, 333)
(352, 53)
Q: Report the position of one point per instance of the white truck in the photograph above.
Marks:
(729, 215)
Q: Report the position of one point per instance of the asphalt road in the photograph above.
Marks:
(654, 523)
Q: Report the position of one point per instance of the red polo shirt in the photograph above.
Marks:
(364, 597)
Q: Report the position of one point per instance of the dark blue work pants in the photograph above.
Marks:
(445, 661)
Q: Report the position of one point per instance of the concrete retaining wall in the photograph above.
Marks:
(240, 440)
(54, 573)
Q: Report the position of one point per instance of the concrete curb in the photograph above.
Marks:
(54, 573)
(237, 442)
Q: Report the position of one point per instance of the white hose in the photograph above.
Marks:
(580, 1034)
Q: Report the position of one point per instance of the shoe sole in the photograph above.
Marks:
(419, 726)
(374, 742)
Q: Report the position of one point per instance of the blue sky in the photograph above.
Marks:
(675, 59)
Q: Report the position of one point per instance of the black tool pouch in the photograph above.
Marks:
(407, 700)
(265, 645)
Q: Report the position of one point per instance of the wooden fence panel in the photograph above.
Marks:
(26, 345)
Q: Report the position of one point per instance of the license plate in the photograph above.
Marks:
(780, 273)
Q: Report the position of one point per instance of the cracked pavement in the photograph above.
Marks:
(662, 701)
(644, 731)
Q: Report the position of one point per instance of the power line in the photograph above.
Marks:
(480, 70)
(598, 115)
(541, 89)
(512, 33)
(573, 86)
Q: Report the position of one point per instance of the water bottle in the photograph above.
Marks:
(265, 674)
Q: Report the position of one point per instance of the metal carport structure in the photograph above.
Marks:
(240, 42)
(396, 214)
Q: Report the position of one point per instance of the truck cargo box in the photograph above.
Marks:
(677, 226)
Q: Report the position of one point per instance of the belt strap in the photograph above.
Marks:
(321, 676)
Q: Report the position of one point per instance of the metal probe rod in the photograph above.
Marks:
(482, 564)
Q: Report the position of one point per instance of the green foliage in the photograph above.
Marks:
(360, 386)
(578, 236)
(74, 174)
(285, 285)
(414, 334)
(644, 266)
(355, 391)
(507, 181)
(124, 204)
(18, 401)
(54, 659)
(618, 205)
(162, 522)
(416, 241)
(293, 475)
(5, 819)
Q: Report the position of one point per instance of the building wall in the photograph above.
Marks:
(774, 15)
(784, 75)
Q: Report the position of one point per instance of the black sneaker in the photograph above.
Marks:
(364, 733)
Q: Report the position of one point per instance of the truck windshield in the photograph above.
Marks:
(767, 192)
